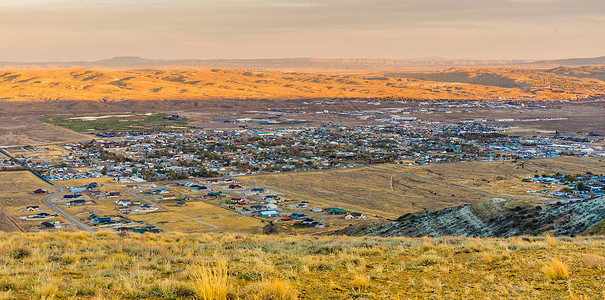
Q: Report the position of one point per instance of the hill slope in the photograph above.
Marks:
(495, 218)
(221, 84)
(235, 266)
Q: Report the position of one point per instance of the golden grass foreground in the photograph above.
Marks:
(56, 265)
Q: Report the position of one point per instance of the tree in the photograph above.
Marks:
(581, 187)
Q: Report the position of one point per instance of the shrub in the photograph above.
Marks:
(595, 261)
(211, 282)
(556, 270)
(428, 260)
(20, 253)
(275, 289)
(361, 282)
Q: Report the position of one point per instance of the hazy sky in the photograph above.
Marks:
(43, 30)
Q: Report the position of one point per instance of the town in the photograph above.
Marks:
(172, 155)
(164, 179)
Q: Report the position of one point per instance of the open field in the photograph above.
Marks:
(185, 226)
(244, 266)
(503, 177)
(31, 131)
(197, 216)
(381, 191)
(108, 184)
(368, 190)
(198, 209)
(32, 151)
(16, 188)
(115, 123)
(16, 193)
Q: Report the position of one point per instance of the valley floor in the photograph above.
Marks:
(232, 266)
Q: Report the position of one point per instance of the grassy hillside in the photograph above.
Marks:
(173, 84)
(562, 80)
(379, 190)
(231, 266)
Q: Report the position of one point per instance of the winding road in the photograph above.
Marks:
(48, 199)
(52, 205)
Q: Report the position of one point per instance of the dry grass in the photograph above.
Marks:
(361, 282)
(556, 270)
(16, 193)
(212, 282)
(361, 187)
(595, 261)
(273, 289)
(31, 131)
(213, 84)
(244, 266)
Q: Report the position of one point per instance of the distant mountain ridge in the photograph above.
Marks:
(573, 62)
(300, 63)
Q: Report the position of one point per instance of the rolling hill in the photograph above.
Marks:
(182, 84)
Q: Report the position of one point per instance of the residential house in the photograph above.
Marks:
(32, 208)
(337, 211)
(77, 190)
(197, 187)
(122, 202)
(353, 215)
(169, 197)
(271, 206)
(297, 216)
(40, 191)
(41, 216)
(76, 202)
(47, 225)
(255, 191)
(268, 213)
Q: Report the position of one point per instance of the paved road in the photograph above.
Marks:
(28, 168)
(143, 198)
(47, 199)
(64, 214)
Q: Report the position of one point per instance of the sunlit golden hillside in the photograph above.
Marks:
(170, 84)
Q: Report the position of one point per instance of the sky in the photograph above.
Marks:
(68, 30)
